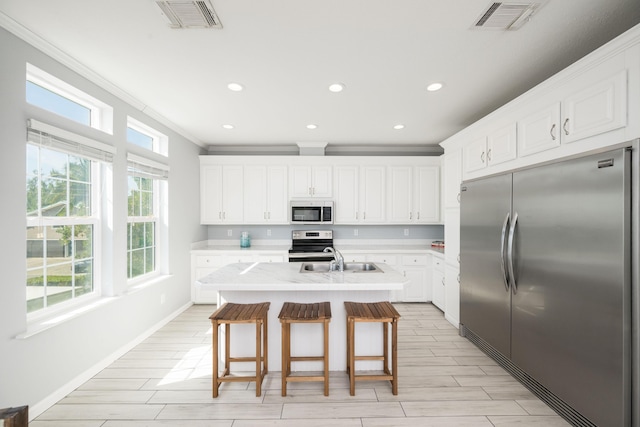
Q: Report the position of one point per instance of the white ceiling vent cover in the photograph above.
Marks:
(189, 14)
(505, 16)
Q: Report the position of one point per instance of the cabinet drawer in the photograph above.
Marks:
(201, 272)
(387, 259)
(355, 258)
(409, 260)
(271, 258)
(210, 261)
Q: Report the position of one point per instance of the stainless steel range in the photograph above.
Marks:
(308, 245)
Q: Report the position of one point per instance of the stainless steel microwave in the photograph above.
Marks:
(311, 212)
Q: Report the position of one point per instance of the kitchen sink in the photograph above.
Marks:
(349, 267)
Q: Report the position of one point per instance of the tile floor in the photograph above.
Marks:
(166, 381)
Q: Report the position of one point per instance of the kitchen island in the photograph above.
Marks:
(278, 283)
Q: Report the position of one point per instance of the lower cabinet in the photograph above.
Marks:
(206, 262)
(438, 284)
(452, 294)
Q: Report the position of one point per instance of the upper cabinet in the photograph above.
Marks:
(265, 194)
(221, 194)
(359, 193)
(413, 194)
(310, 181)
(494, 148)
(452, 178)
(598, 108)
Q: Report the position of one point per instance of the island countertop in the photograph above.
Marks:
(284, 276)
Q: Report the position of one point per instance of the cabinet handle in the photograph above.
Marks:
(268, 215)
(458, 258)
(364, 216)
(443, 281)
(564, 126)
(310, 193)
(410, 215)
(482, 157)
(418, 215)
(552, 132)
(458, 277)
(489, 155)
(224, 215)
(458, 197)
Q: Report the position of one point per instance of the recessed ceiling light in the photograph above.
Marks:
(236, 87)
(336, 87)
(312, 126)
(227, 126)
(434, 87)
(398, 127)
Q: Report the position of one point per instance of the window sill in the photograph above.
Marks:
(46, 322)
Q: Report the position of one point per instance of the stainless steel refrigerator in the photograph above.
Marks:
(549, 276)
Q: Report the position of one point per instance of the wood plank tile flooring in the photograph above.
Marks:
(166, 381)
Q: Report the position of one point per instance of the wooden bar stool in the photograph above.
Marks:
(229, 314)
(386, 314)
(304, 313)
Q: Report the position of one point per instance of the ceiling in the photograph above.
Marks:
(287, 52)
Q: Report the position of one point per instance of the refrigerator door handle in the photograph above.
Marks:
(503, 261)
(512, 232)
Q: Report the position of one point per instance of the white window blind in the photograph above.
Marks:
(46, 135)
(147, 168)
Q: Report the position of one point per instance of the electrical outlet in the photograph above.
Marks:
(229, 233)
(268, 232)
(355, 231)
(406, 231)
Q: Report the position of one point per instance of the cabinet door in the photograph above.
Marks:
(416, 289)
(255, 194)
(501, 145)
(321, 181)
(452, 178)
(539, 131)
(426, 198)
(300, 181)
(475, 155)
(210, 194)
(277, 198)
(452, 295)
(346, 194)
(438, 284)
(452, 236)
(600, 108)
(232, 190)
(400, 194)
(372, 194)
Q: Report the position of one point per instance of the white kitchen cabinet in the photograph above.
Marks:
(359, 194)
(391, 261)
(452, 294)
(310, 181)
(437, 283)
(539, 131)
(413, 194)
(221, 188)
(417, 268)
(452, 236)
(598, 108)
(452, 178)
(265, 194)
(496, 147)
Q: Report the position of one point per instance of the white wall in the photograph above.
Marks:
(34, 369)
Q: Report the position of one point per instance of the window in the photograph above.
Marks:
(50, 93)
(146, 137)
(63, 215)
(146, 184)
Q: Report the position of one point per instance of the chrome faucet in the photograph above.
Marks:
(337, 257)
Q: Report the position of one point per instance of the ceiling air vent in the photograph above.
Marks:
(189, 14)
(505, 16)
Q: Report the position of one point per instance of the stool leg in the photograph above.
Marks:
(258, 358)
(350, 359)
(326, 358)
(385, 351)
(227, 348)
(265, 346)
(394, 355)
(285, 356)
(215, 359)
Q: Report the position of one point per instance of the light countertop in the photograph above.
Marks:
(276, 276)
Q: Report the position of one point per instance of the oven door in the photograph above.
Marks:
(310, 257)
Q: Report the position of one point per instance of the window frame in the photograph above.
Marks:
(160, 142)
(101, 114)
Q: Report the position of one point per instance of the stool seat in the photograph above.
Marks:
(304, 313)
(227, 315)
(382, 312)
